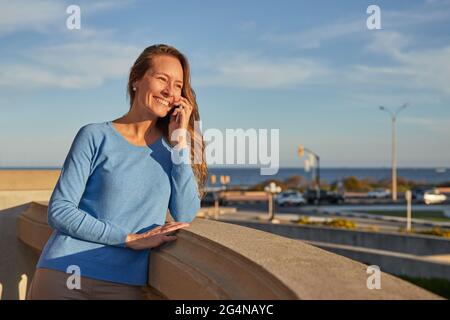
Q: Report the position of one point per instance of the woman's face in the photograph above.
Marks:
(160, 86)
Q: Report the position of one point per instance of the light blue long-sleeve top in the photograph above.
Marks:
(107, 189)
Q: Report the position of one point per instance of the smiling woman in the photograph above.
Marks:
(160, 80)
(108, 208)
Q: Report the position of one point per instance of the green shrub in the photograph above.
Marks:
(436, 231)
(335, 223)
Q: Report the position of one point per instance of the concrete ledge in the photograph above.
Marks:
(217, 260)
(371, 247)
(403, 243)
(13, 198)
(18, 187)
(197, 267)
(392, 262)
(17, 180)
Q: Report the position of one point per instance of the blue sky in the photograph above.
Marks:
(309, 68)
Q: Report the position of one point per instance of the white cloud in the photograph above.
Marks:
(440, 125)
(313, 38)
(356, 27)
(29, 15)
(46, 15)
(427, 69)
(388, 42)
(250, 71)
(90, 63)
(392, 19)
(73, 66)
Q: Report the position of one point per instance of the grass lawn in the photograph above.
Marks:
(436, 215)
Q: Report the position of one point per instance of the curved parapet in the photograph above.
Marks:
(217, 260)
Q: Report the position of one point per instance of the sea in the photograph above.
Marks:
(246, 176)
(252, 176)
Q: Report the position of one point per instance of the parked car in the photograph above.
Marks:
(311, 196)
(433, 196)
(418, 192)
(294, 198)
(379, 193)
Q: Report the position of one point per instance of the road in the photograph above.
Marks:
(391, 224)
(262, 206)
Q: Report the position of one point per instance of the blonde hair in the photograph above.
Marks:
(142, 64)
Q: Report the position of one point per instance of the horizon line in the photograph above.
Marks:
(257, 167)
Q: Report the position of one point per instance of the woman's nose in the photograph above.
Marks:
(169, 89)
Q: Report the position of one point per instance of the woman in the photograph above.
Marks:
(119, 178)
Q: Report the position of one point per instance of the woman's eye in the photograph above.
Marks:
(164, 79)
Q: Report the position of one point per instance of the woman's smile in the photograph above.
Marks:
(162, 101)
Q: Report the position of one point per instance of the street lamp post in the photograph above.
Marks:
(301, 150)
(216, 197)
(272, 189)
(394, 146)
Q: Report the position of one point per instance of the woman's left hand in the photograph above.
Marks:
(180, 120)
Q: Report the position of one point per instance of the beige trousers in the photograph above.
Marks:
(52, 285)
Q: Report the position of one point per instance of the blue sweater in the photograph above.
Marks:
(107, 189)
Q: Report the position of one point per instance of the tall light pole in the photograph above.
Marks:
(272, 189)
(300, 151)
(393, 115)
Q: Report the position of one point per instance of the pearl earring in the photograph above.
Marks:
(134, 88)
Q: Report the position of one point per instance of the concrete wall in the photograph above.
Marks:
(215, 260)
(13, 198)
(28, 179)
(19, 187)
(398, 264)
(396, 254)
(411, 244)
(17, 260)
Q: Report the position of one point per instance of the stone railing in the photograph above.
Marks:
(217, 260)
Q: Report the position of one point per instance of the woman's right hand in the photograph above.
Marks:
(154, 237)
